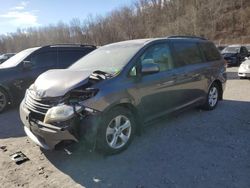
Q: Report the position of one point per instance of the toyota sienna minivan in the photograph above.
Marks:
(108, 95)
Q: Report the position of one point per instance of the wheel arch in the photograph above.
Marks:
(129, 106)
(219, 84)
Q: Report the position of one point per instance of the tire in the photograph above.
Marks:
(116, 131)
(212, 97)
(3, 100)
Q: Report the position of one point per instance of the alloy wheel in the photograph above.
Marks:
(213, 96)
(3, 101)
(118, 132)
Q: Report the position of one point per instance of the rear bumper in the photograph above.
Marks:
(48, 136)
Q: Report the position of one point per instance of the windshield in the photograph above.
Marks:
(110, 58)
(18, 58)
(231, 49)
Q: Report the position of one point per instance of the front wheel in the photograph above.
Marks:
(212, 97)
(3, 100)
(116, 131)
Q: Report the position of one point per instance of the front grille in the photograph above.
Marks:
(36, 105)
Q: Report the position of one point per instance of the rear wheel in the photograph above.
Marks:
(3, 100)
(212, 97)
(116, 131)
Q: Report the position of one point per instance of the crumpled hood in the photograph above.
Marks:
(58, 82)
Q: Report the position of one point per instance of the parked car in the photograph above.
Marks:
(234, 54)
(244, 69)
(108, 95)
(4, 57)
(21, 70)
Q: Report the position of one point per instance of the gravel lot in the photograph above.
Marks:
(193, 149)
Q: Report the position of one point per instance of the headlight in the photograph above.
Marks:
(61, 113)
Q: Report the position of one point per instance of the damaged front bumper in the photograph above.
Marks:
(48, 136)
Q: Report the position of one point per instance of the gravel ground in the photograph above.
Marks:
(193, 149)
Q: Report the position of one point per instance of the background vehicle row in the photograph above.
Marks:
(21, 70)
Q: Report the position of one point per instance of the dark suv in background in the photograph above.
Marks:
(235, 54)
(21, 70)
(110, 93)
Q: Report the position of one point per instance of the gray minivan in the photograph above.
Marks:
(108, 95)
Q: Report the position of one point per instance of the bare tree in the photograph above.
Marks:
(220, 20)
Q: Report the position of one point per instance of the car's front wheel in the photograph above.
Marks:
(116, 131)
(212, 97)
(3, 100)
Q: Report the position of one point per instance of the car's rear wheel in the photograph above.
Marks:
(212, 97)
(116, 131)
(3, 100)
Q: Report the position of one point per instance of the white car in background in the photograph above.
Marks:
(244, 69)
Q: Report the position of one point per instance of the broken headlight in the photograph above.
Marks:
(61, 113)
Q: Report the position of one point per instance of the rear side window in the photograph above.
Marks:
(210, 51)
(44, 59)
(188, 53)
(68, 57)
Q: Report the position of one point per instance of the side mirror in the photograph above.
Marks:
(27, 65)
(149, 67)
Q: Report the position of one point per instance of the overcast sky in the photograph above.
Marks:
(32, 13)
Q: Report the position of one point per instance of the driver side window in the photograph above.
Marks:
(159, 54)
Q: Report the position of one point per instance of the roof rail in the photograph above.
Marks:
(190, 37)
(70, 45)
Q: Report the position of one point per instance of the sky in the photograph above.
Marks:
(37, 13)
